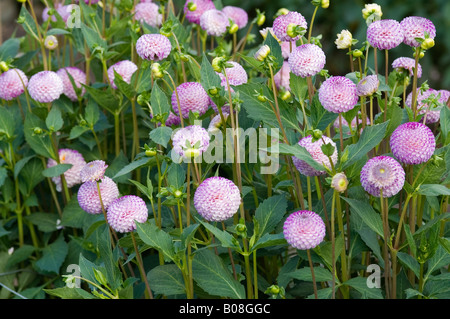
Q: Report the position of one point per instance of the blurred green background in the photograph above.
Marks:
(341, 14)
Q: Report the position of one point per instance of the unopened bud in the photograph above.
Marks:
(51, 42)
(156, 70)
(260, 19)
(150, 153)
(233, 28)
(285, 95)
(217, 63)
(427, 44)
(339, 182)
(3, 66)
(357, 53)
(262, 53)
(421, 54)
(178, 193)
(325, 4)
(192, 6)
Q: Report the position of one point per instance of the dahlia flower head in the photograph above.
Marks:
(237, 15)
(281, 23)
(368, 85)
(306, 60)
(236, 75)
(407, 64)
(344, 40)
(282, 77)
(124, 211)
(416, 27)
(201, 7)
(153, 47)
(304, 229)
(93, 171)
(124, 68)
(445, 95)
(190, 141)
(12, 84)
(148, 12)
(314, 148)
(64, 11)
(72, 175)
(382, 174)
(338, 94)
(422, 106)
(217, 199)
(192, 97)
(45, 87)
(216, 122)
(79, 78)
(172, 119)
(412, 143)
(385, 34)
(214, 22)
(89, 199)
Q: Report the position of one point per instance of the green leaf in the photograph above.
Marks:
(56, 170)
(263, 111)
(366, 212)
(226, 239)
(7, 122)
(320, 273)
(161, 135)
(320, 118)
(31, 175)
(157, 239)
(131, 167)
(159, 101)
(41, 144)
(269, 213)
(3, 175)
(445, 124)
(166, 280)
(69, 293)
(20, 164)
(44, 221)
(104, 98)
(433, 190)
(360, 284)
(92, 37)
(269, 240)
(112, 272)
(275, 50)
(176, 175)
(124, 87)
(370, 138)
(77, 131)
(53, 256)
(214, 277)
(440, 259)
(299, 87)
(9, 49)
(20, 254)
(208, 77)
(409, 262)
(301, 153)
(91, 113)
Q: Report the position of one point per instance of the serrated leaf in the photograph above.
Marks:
(214, 277)
(69, 293)
(131, 167)
(269, 213)
(433, 190)
(360, 284)
(161, 135)
(53, 256)
(156, 238)
(41, 144)
(7, 122)
(409, 262)
(176, 175)
(370, 138)
(366, 212)
(320, 273)
(159, 101)
(167, 280)
(226, 239)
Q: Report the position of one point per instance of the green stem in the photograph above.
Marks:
(384, 218)
(344, 272)
(312, 273)
(148, 293)
(117, 133)
(311, 24)
(333, 243)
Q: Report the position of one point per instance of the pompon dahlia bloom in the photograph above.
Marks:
(45, 86)
(314, 148)
(237, 15)
(154, 47)
(422, 106)
(304, 229)
(338, 94)
(89, 199)
(412, 143)
(148, 12)
(282, 77)
(201, 6)
(124, 68)
(190, 141)
(367, 85)
(415, 27)
(236, 75)
(173, 119)
(306, 60)
(124, 211)
(214, 22)
(382, 173)
(79, 78)
(217, 199)
(281, 23)
(385, 34)
(192, 96)
(216, 122)
(407, 64)
(72, 175)
(12, 84)
(93, 171)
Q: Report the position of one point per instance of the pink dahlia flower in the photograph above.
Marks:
(72, 175)
(338, 94)
(201, 6)
(154, 47)
(190, 141)
(416, 27)
(79, 78)
(304, 229)
(217, 199)
(93, 171)
(192, 97)
(124, 211)
(89, 199)
(407, 64)
(45, 86)
(281, 23)
(385, 34)
(306, 60)
(214, 22)
(237, 15)
(148, 12)
(12, 84)
(124, 68)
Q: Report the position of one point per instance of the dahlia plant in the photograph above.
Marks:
(194, 150)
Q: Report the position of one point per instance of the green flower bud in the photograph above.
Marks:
(150, 152)
(157, 71)
(233, 28)
(357, 53)
(427, 44)
(192, 6)
(260, 19)
(217, 64)
(178, 193)
(3, 66)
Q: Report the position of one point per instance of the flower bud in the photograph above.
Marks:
(233, 28)
(262, 98)
(421, 54)
(192, 6)
(150, 152)
(325, 4)
(51, 42)
(344, 40)
(339, 182)
(372, 9)
(357, 53)
(213, 91)
(37, 130)
(217, 63)
(191, 152)
(281, 11)
(262, 53)
(178, 193)
(157, 71)
(285, 95)
(3, 66)
(261, 18)
(427, 44)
